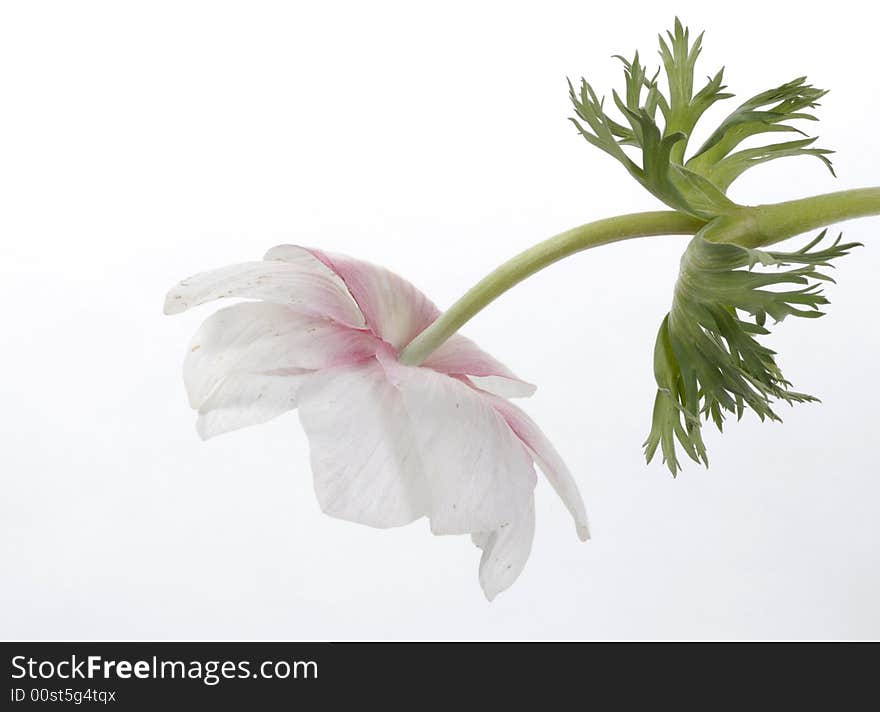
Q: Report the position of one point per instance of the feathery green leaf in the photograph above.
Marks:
(659, 126)
(707, 359)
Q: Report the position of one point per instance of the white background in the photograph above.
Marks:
(142, 142)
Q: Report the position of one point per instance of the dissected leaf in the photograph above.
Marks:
(659, 126)
(729, 168)
(707, 359)
(766, 112)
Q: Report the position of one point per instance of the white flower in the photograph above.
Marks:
(389, 443)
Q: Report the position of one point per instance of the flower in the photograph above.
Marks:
(389, 443)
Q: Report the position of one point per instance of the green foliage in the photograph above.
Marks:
(707, 359)
(766, 112)
(726, 170)
(658, 125)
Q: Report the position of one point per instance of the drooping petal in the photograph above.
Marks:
(394, 309)
(548, 460)
(256, 337)
(458, 355)
(505, 552)
(244, 399)
(364, 456)
(302, 282)
(479, 473)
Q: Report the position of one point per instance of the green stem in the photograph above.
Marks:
(525, 264)
(756, 226)
(764, 225)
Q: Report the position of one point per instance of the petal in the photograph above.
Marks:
(548, 460)
(364, 457)
(505, 552)
(256, 337)
(302, 282)
(244, 399)
(459, 355)
(479, 473)
(393, 308)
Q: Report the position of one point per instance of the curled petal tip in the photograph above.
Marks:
(202, 431)
(583, 532)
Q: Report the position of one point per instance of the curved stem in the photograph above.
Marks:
(525, 264)
(756, 226)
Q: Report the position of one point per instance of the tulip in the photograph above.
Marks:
(389, 442)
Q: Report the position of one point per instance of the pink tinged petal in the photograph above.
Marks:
(244, 399)
(364, 457)
(479, 473)
(257, 337)
(548, 460)
(505, 552)
(394, 309)
(459, 355)
(302, 282)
